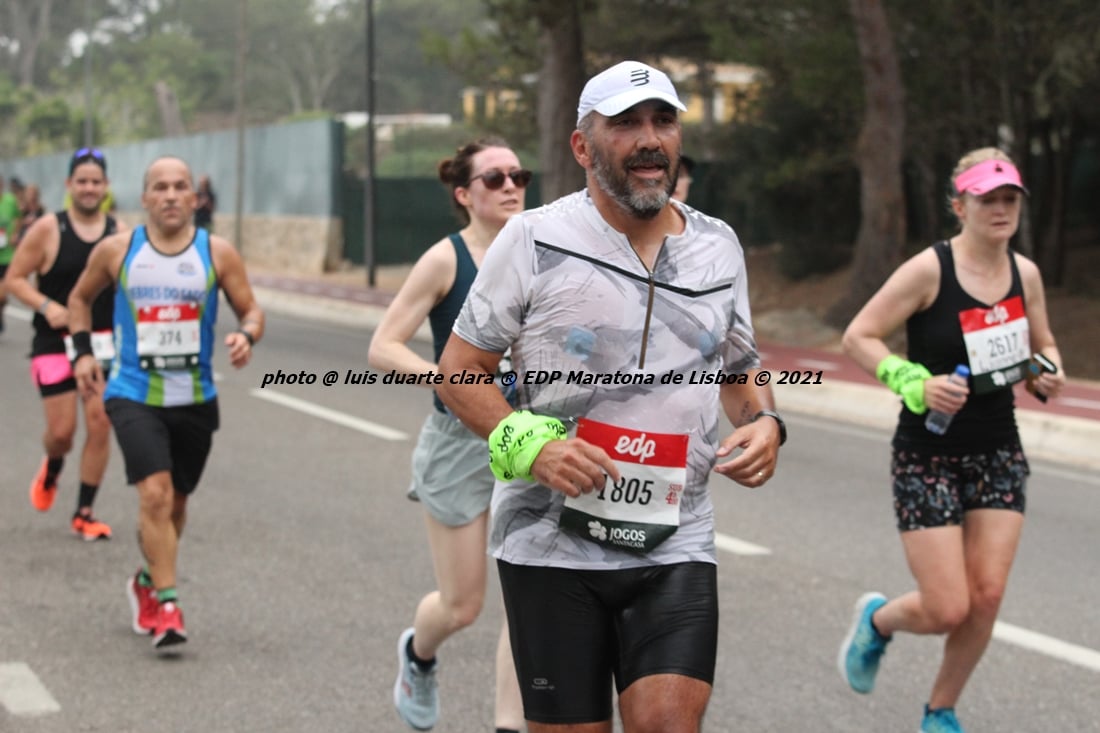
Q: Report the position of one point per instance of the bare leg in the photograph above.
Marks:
(60, 410)
(157, 529)
(458, 555)
(664, 703)
(941, 602)
(97, 442)
(991, 538)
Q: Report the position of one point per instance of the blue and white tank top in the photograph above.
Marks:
(165, 310)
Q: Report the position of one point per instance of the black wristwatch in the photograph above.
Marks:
(782, 425)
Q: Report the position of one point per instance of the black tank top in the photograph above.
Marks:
(935, 337)
(442, 316)
(58, 282)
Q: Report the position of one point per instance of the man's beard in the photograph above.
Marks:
(85, 210)
(644, 202)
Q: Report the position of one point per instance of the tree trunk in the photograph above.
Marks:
(561, 79)
(170, 120)
(1058, 148)
(928, 225)
(879, 151)
(30, 27)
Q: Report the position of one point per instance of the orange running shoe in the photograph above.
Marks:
(90, 529)
(42, 496)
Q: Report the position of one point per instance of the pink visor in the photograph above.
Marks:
(988, 175)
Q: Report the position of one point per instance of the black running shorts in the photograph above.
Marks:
(933, 490)
(574, 631)
(153, 439)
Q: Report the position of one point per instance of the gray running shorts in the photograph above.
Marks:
(450, 471)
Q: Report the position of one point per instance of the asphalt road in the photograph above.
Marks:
(303, 560)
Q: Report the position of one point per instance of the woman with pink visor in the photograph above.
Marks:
(958, 496)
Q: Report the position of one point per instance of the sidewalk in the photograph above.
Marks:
(1066, 430)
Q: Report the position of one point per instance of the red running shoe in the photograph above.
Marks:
(143, 604)
(169, 630)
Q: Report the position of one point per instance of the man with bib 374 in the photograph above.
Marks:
(160, 397)
(628, 319)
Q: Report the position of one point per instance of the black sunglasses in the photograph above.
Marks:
(494, 179)
(84, 155)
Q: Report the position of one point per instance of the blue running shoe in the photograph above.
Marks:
(940, 720)
(863, 647)
(416, 691)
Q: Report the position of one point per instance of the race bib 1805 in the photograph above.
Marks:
(642, 509)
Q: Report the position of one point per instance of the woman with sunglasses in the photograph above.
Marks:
(451, 475)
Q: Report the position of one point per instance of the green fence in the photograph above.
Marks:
(412, 214)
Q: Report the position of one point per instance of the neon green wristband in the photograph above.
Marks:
(516, 441)
(904, 378)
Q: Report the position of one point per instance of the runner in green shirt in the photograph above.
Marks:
(10, 214)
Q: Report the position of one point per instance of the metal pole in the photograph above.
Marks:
(88, 130)
(242, 43)
(368, 184)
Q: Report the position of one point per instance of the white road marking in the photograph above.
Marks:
(738, 547)
(22, 693)
(340, 418)
(1048, 645)
(1017, 636)
(1078, 402)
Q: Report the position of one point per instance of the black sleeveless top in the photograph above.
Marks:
(935, 339)
(58, 282)
(442, 316)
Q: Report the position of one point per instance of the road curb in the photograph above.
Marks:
(1055, 438)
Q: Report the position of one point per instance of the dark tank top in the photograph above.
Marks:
(935, 337)
(442, 316)
(58, 282)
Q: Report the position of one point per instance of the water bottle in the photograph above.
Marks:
(937, 422)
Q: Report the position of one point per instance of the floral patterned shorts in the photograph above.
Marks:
(932, 490)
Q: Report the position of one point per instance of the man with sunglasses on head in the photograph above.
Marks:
(161, 397)
(627, 317)
(55, 250)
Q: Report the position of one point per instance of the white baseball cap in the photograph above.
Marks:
(624, 85)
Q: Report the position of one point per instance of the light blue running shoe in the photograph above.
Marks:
(940, 720)
(863, 647)
(416, 691)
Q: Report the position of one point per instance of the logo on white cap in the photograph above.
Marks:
(624, 85)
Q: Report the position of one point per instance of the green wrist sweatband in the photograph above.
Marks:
(904, 378)
(516, 441)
